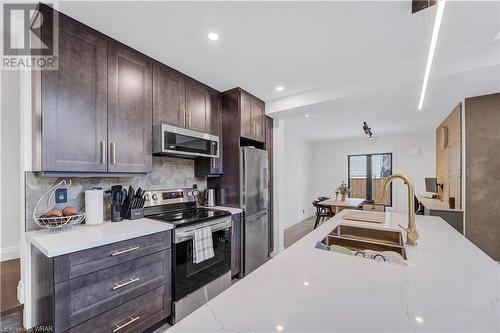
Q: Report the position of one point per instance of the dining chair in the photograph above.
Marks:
(322, 212)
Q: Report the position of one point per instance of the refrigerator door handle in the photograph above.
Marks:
(256, 215)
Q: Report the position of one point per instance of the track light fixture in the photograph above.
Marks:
(367, 130)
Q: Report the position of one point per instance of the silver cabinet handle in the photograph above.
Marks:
(132, 319)
(125, 251)
(184, 116)
(103, 152)
(113, 152)
(189, 119)
(119, 285)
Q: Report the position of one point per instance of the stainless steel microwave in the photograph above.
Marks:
(182, 142)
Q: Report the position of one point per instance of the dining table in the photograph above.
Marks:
(337, 205)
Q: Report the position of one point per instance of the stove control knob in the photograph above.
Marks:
(147, 197)
(155, 196)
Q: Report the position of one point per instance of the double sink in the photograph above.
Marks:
(361, 239)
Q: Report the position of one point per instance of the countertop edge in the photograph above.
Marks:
(31, 237)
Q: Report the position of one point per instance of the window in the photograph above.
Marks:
(367, 174)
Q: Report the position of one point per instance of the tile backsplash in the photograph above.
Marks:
(168, 172)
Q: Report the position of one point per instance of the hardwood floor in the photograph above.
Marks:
(11, 311)
(299, 230)
(10, 274)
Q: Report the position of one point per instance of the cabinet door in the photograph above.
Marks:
(73, 102)
(236, 245)
(258, 120)
(129, 110)
(216, 163)
(247, 129)
(169, 96)
(212, 166)
(198, 107)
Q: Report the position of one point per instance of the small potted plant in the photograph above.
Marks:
(343, 190)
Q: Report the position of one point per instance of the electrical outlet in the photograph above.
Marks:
(61, 195)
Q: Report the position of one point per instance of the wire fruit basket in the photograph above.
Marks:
(55, 223)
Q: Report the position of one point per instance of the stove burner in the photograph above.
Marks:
(185, 217)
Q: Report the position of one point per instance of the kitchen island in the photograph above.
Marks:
(449, 285)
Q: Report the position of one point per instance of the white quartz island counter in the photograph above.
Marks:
(448, 286)
(84, 237)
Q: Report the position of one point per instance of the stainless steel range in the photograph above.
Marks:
(193, 284)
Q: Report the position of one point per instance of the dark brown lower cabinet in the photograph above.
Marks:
(124, 286)
(236, 247)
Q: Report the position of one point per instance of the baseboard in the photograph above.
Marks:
(9, 253)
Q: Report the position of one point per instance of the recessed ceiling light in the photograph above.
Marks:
(307, 116)
(419, 320)
(432, 48)
(213, 36)
(280, 88)
(306, 283)
(279, 328)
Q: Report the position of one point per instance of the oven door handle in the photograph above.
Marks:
(181, 236)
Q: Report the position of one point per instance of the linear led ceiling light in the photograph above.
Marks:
(435, 33)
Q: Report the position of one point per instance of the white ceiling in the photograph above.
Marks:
(341, 62)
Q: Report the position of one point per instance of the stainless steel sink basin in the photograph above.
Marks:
(359, 239)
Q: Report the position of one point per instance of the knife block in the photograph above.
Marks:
(135, 214)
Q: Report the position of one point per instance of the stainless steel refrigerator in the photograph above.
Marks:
(254, 173)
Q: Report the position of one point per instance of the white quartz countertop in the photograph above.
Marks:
(449, 286)
(233, 210)
(437, 204)
(84, 237)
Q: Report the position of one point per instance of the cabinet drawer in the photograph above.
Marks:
(76, 264)
(87, 296)
(135, 316)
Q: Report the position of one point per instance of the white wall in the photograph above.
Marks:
(330, 162)
(11, 178)
(297, 182)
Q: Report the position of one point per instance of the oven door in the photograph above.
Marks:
(171, 140)
(188, 276)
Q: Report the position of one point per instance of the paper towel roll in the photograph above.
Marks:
(94, 206)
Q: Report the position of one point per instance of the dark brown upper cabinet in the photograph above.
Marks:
(198, 107)
(72, 102)
(94, 114)
(130, 103)
(181, 101)
(252, 117)
(213, 166)
(169, 96)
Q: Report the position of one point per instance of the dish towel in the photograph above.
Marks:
(203, 247)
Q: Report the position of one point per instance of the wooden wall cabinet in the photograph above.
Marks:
(181, 101)
(252, 117)
(198, 107)
(73, 103)
(129, 110)
(213, 166)
(169, 96)
(94, 114)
